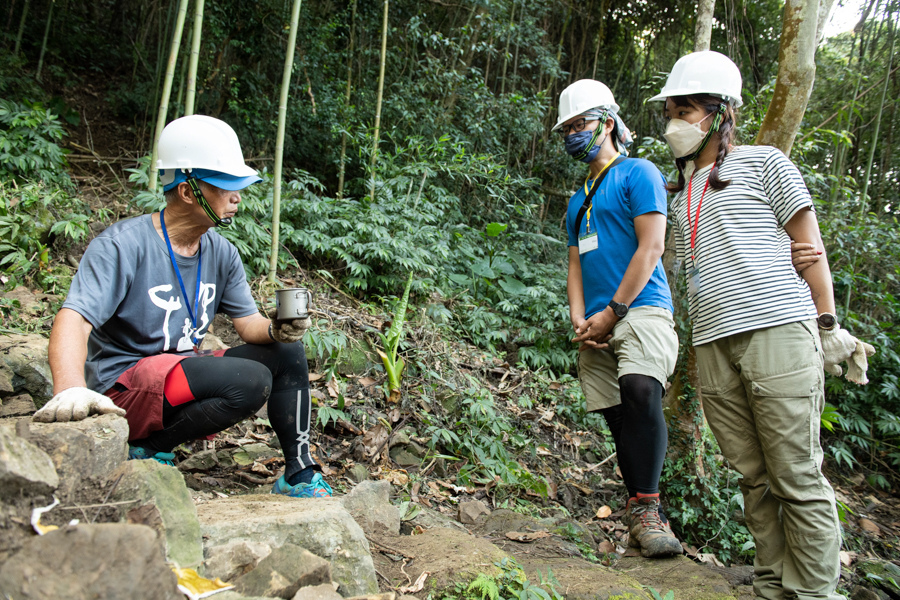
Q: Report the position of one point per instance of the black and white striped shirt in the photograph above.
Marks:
(743, 254)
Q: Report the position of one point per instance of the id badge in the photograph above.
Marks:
(694, 281)
(587, 243)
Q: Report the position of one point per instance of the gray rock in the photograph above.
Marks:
(98, 562)
(164, 503)
(428, 518)
(400, 438)
(250, 453)
(358, 473)
(232, 560)
(370, 504)
(24, 468)
(317, 592)
(283, 572)
(26, 357)
(503, 520)
(6, 378)
(382, 596)
(83, 452)
(17, 406)
(321, 525)
(404, 458)
(471, 510)
(225, 459)
(200, 461)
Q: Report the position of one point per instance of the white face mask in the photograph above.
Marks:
(684, 138)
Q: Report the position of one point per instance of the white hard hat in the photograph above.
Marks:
(582, 96)
(200, 142)
(706, 72)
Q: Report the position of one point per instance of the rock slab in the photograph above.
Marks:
(83, 452)
(370, 504)
(24, 468)
(283, 572)
(164, 503)
(321, 525)
(97, 562)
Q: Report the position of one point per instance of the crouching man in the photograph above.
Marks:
(127, 339)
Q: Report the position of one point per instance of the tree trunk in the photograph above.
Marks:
(195, 58)
(40, 64)
(279, 138)
(343, 163)
(167, 91)
(703, 25)
(512, 15)
(378, 99)
(796, 75)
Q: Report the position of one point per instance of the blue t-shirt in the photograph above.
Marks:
(632, 188)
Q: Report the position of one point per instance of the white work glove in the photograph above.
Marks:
(75, 404)
(839, 346)
(287, 331)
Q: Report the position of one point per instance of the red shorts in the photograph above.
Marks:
(140, 389)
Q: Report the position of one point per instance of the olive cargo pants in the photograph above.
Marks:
(763, 395)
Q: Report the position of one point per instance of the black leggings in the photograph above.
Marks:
(639, 430)
(230, 388)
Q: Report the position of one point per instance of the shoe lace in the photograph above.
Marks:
(649, 517)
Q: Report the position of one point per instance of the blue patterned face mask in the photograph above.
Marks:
(583, 145)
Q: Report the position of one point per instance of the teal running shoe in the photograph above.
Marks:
(318, 488)
(138, 453)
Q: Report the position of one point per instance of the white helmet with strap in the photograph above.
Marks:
(200, 142)
(706, 72)
(200, 148)
(582, 96)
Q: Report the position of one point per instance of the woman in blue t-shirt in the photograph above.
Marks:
(619, 300)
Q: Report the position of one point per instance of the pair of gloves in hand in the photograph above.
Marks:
(287, 332)
(839, 346)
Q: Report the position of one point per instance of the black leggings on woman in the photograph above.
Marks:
(639, 430)
(232, 387)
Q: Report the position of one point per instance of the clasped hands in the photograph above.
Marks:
(594, 332)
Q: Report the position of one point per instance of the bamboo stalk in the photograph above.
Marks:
(384, 29)
(279, 138)
(195, 58)
(343, 167)
(21, 28)
(167, 91)
(40, 64)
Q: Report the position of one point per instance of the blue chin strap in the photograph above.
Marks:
(195, 188)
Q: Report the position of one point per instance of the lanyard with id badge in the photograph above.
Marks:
(589, 240)
(694, 273)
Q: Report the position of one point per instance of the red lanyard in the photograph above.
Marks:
(696, 223)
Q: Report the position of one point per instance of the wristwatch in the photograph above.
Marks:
(619, 309)
(827, 321)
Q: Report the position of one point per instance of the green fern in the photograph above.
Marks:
(486, 586)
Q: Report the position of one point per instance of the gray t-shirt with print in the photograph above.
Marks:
(127, 289)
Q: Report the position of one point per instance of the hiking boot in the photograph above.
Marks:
(317, 488)
(626, 518)
(138, 453)
(648, 532)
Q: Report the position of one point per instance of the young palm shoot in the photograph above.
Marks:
(394, 364)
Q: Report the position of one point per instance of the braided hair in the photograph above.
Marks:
(727, 132)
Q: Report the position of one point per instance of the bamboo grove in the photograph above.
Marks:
(408, 127)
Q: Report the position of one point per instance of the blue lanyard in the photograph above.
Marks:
(162, 221)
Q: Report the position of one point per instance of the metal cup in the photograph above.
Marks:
(292, 303)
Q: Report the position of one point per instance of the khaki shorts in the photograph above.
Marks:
(643, 343)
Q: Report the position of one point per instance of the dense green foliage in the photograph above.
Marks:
(470, 186)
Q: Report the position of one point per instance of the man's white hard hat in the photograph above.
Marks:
(582, 96)
(706, 72)
(198, 142)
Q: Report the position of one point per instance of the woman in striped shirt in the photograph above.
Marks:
(762, 332)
